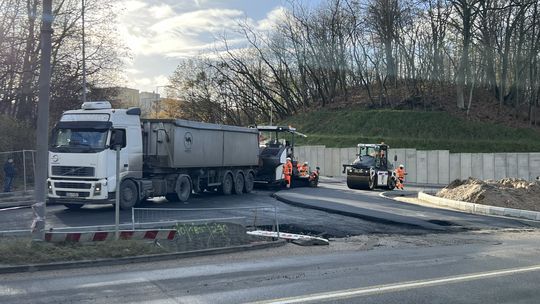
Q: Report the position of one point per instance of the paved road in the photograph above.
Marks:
(291, 218)
(369, 205)
(441, 268)
(353, 212)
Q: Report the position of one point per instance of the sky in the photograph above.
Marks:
(160, 33)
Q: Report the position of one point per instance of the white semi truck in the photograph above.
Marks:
(159, 157)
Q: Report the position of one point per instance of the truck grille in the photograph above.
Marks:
(73, 185)
(72, 171)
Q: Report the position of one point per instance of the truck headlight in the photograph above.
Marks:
(97, 189)
(49, 185)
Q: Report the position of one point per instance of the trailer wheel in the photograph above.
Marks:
(73, 206)
(227, 184)
(128, 194)
(239, 183)
(183, 187)
(249, 182)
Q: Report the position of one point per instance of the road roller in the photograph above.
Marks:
(371, 168)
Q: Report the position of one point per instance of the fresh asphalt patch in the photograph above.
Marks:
(370, 206)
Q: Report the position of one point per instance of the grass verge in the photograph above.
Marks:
(16, 251)
(410, 129)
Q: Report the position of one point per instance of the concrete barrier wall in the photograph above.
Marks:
(421, 167)
(444, 167)
(437, 167)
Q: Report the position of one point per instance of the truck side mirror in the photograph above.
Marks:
(395, 158)
(118, 138)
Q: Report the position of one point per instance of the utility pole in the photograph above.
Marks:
(117, 197)
(42, 136)
(83, 54)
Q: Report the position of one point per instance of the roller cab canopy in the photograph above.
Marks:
(279, 129)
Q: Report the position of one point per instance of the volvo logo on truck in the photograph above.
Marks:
(188, 140)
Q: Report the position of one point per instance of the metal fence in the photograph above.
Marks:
(250, 217)
(205, 228)
(25, 164)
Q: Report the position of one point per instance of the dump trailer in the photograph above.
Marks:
(371, 168)
(159, 157)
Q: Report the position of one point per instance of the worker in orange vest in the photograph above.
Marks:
(287, 171)
(400, 173)
(304, 169)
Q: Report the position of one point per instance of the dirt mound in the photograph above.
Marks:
(508, 192)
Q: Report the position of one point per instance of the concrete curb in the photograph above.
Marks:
(479, 208)
(139, 259)
(22, 203)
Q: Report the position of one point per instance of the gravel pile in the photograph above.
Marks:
(508, 192)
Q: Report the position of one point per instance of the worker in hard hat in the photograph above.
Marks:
(400, 174)
(287, 171)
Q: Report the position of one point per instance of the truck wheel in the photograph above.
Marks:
(249, 182)
(129, 196)
(239, 183)
(227, 185)
(73, 206)
(183, 187)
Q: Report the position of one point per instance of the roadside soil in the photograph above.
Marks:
(22, 251)
(508, 193)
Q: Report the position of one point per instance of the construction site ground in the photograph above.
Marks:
(507, 193)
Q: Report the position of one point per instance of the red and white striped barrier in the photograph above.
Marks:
(93, 236)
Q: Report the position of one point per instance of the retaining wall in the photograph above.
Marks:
(437, 167)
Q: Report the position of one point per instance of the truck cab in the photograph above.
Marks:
(82, 161)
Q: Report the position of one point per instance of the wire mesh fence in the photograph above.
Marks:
(250, 217)
(203, 228)
(24, 164)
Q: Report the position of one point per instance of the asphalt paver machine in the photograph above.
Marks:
(276, 143)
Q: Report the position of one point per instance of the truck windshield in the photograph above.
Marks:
(79, 140)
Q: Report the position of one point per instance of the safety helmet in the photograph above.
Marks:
(305, 163)
(401, 166)
(288, 158)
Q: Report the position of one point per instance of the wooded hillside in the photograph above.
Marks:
(476, 59)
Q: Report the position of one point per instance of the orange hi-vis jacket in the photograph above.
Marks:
(400, 173)
(304, 170)
(288, 168)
